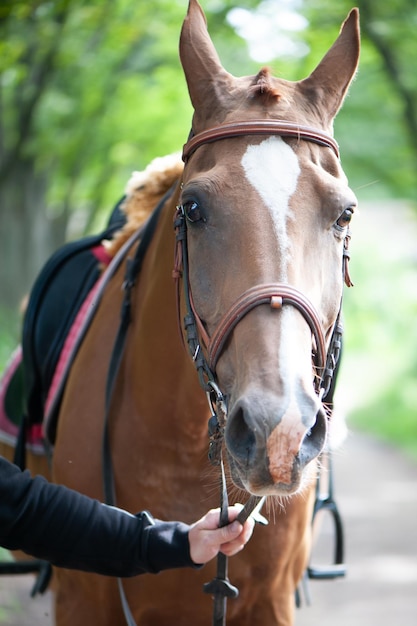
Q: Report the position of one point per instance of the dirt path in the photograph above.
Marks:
(17, 608)
(377, 495)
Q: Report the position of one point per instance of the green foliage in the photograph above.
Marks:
(5, 556)
(10, 325)
(392, 416)
(114, 96)
(377, 126)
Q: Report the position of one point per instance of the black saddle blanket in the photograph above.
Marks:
(54, 301)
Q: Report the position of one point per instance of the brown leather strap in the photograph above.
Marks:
(259, 127)
(276, 295)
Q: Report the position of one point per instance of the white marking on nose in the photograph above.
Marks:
(272, 168)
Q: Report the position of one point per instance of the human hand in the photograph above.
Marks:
(207, 539)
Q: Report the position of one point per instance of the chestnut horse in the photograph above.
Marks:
(265, 208)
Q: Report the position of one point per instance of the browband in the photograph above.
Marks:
(259, 127)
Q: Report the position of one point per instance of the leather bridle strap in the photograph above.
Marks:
(133, 267)
(276, 295)
(259, 127)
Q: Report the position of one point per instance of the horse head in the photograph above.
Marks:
(267, 208)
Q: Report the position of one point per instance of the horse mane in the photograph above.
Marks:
(263, 87)
(143, 191)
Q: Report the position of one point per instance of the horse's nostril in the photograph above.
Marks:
(314, 439)
(240, 438)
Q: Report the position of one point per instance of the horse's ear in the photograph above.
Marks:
(329, 82)
(203, 70)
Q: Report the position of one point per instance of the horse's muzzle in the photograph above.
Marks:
(270, 441)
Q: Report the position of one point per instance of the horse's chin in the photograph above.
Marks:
(262, 484)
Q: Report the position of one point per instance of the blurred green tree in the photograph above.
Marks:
(377, 128)
(73, 77)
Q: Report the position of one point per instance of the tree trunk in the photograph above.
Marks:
(27, 235)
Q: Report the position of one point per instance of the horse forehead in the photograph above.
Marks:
(272, 169)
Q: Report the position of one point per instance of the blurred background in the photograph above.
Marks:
(92, 90)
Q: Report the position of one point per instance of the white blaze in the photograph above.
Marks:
(272, 169)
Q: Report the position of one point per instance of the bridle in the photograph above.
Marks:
(276, 295)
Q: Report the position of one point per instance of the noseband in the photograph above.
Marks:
(276, 295)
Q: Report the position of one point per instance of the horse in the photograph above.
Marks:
(253, 225)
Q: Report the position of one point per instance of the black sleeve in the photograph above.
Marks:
(71, 530)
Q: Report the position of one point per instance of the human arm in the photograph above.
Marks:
(71, 530)
(74, 531)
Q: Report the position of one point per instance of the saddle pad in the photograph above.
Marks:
(10, 407)
(74, 340)
(58, 292)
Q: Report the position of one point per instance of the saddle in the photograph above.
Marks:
(54, 302)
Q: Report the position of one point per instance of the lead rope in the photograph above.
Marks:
(220, 587)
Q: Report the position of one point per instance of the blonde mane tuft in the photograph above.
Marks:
(143, 192)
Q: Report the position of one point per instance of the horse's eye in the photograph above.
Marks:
(193, 211)
(344, 219)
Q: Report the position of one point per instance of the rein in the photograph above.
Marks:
(133, 266)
